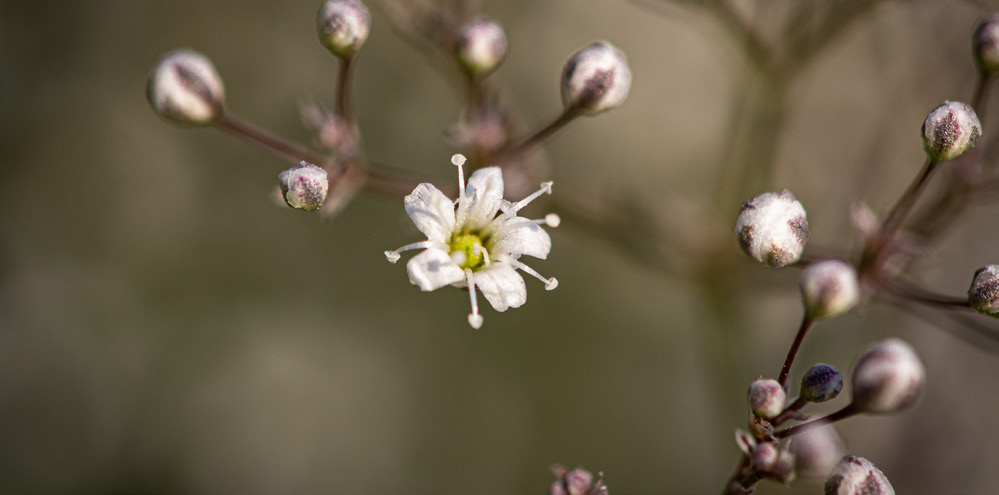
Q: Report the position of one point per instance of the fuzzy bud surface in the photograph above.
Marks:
(304, 186)
(821, 382)
(950, 130)
(343, 26)
(184, 87)
(772, 228)
(857, 476)
(766, 398)
(596, 79)
(829, 288)
(983, 295)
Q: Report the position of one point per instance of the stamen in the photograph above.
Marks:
(474, 318)
(458, 160)
(393, 256)
(550, 283)
(484, 252)
(553, 220)
(546, 188)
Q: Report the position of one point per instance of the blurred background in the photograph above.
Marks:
(167, 329)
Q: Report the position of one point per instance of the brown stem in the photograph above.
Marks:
(908, 199)
(342, 107)
(276, 145)
(542, 134)
(842, 414)
(806, 323)
(789, 411)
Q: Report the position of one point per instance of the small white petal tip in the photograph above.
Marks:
(553, 220)
(475, 320)
(551, 284)
(392, 256)
(458, 159)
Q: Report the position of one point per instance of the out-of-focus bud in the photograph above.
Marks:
(817, 451)
(184, 87)
(766, 398)
(765, 456)
(343, 26)
(829, 288)
(480, 47)
(887, 377)
(983, 295)
(596, 79)
(772, 228)
(857, 476)
(821, 382)
(784, 470)
(950, 130)
(576, 482)
(986, 45)
(304, 186)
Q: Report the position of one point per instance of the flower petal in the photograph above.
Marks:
(431, 211)
(485, 194)
(502, 286)
(520, 236)
(433, 269)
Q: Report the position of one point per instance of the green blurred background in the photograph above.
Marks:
(167, 329)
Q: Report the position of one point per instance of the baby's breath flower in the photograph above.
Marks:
(184, 87)
(469, 245)
(772, 228)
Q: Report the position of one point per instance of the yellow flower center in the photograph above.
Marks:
(471, 245)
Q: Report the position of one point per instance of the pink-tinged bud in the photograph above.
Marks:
(829, 288)
(887, 378)
(821, 382)
(857, 476)
(184, 87)
(596, 79)
(576, 482)
(343, 26)
(304, 186)
(772, 228)
(950, 130)
(817, 450)
(480, 47)
(766, 398)
(986, 45)
(765, 456)
(983, 295)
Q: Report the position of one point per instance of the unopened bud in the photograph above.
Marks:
(304, 186)
(821, 382)
(857, 476)
(596, 79)
(480, 47)
(817, 450)
(829, 288)
(784, 471)
(772, 228)
(765, 456)
(343, 26)
(983, 295)
(950, 130)
(766, 398)
(986, 45)
(576, 482)
(184, 87)
(887, 377)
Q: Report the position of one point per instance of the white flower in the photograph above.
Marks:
(469, 245)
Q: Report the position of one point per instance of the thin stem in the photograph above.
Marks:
(542, 134)
(842, 414)
(917, 294)
(908, 199)
(806, 323)
(276, 145)
(789, 411)
(342, 106)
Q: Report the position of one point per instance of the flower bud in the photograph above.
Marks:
(765, 456)
(480, 47)
(887, 377)
(983, 295)
(343, 26)
(829, 288)
(183, 86)
(821, 382)
(576, 482)
(857, 476)
(816, 451)
(304, 186)
(766, 398)
(596, 79)
(950, 130)
(986, 45)
(772, 228)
